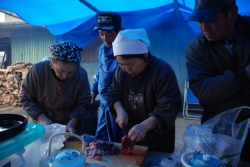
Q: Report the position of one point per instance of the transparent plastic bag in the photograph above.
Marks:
(219, 136)
(167, 162)
(172, 161)
(57, 142)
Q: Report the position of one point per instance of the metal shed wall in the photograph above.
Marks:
(30, 44)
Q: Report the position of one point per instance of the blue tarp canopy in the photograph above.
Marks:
(75, 19)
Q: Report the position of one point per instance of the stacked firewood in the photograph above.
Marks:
(10, 82)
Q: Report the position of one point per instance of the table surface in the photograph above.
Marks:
(151, 159)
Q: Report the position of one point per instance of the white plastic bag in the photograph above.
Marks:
(57, 142)
(219, 136)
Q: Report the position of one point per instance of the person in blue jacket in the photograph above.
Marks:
(108, 25)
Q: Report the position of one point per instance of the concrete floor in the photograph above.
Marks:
(181, 122)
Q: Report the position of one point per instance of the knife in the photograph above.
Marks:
(124, 131)
(127, 141)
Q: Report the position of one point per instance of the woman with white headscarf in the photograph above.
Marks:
(144, 94)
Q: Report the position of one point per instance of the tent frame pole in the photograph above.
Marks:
(90, 6)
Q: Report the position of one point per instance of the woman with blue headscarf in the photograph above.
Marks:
(57, 91)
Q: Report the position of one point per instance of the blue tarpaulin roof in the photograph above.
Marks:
(74, 20)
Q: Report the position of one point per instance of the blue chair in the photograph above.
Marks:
(191, 105)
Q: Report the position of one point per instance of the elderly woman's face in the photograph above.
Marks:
(63, 70)
(133, 66)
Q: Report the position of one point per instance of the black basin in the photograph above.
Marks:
(11, 125)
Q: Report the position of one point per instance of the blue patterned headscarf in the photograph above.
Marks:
(66, 51)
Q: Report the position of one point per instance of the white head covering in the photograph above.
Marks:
(131, 41)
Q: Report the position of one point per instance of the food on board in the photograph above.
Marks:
(127, 145)
(98, 148)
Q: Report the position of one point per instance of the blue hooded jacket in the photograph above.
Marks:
(103, 79)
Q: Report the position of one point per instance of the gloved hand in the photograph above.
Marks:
(93, 96)
(42, 119)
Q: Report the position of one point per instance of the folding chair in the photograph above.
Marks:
(191, 106)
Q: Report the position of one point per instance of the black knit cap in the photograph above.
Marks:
(108, 21)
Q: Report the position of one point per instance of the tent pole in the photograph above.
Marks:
(176, 6)
(89, 6)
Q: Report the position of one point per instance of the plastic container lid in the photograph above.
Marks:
(205, 160)
(67, 155)
(16, 144)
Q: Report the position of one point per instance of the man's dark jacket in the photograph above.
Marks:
(219, 79)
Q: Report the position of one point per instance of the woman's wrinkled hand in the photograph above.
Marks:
(70, 127)
(42, 119)
(122, 118)
(137, 133)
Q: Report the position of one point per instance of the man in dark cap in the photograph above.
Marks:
(218, 60)
(57, 91)
(108, 25)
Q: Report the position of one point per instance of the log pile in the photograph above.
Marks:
(10, 82)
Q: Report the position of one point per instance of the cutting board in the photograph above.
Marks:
(135, 159)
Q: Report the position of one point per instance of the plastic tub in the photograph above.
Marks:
(23, 149)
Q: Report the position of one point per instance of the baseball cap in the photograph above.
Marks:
(131, 41)
(205, 10)
(108, 21)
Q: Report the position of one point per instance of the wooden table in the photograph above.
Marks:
(140, 157)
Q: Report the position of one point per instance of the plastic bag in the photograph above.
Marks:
(173, 160)
(219, 136)
(57, 142)
(167, 162)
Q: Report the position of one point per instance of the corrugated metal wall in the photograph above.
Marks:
(30, 44)
(91, 51)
